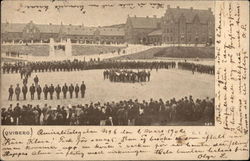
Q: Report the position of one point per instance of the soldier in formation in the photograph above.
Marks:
(126, 75)
(25, 69)
(46, 90)
(207, 69)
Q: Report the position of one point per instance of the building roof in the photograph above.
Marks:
(190, 14)
(144, 22)
(112, 31)
(78, 30)
(12, 27)
(155, 33)
(66, 29)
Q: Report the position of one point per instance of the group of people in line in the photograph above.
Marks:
(117, 75)
(208, 69)
(67, 65)
(126, 112)
(35, 88)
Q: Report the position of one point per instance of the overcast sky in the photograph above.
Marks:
(17, 12)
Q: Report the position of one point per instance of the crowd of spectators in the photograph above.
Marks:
(126, 112)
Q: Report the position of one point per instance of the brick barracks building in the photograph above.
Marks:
(177, 26)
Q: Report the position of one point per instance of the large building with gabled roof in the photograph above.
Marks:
(176, 26)
(32, 32)
(188, 26)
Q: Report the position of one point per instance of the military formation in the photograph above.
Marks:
(126, 112)
(47, 90)
(76, 65)
(207, 69)
(117, 75)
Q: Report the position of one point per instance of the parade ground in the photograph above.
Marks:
(164, 83)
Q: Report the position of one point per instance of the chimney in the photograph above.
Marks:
(191, 8)
(50, 23)
(178, 7)
(147, 16)
(155, 16)
(168, 6)
(135, 16)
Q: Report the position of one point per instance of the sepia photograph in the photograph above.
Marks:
(108, 64)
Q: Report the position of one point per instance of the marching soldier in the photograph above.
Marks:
(32, 91)
(24, 90)
(58, 91)
(45, 91)
(17, 92)
(65, 90)
(39, 91)
(148, 75)
(36, 80)
(11, 91)
(25, 80)
(77, 90)
(83, 88)
(71, 89)
(51, 91)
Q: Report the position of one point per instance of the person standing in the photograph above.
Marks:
(83, 89)
(45, 91)
(11, 91)
(16, 114)
(25, 80)
(39, 91)
(17, 92)
(36, 80)
(58, 91)
(24, 90)
(51, 91)
(65, 90)
(77, 89)
(71, 89)
(32, 91)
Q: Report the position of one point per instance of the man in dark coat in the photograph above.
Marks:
(36, 80)
(11, 91)
(24, 90)
(32, 91)
(71, 89)
(58, 91)
(16, 114)
(77, 89)
(65, 90)
(39, 91)
(17, 92)
(51, 91)
(83, 88)
(45, 91)
(25, 80)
